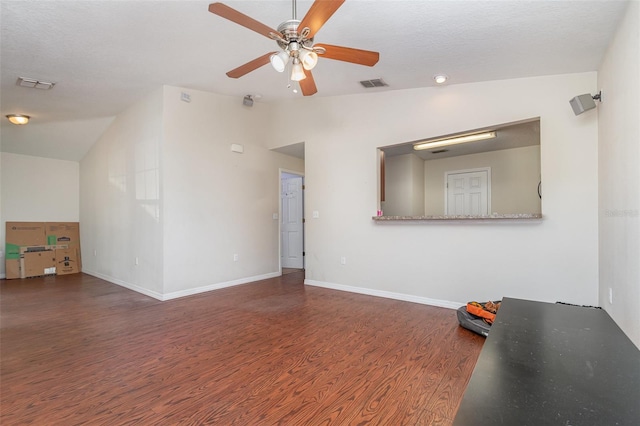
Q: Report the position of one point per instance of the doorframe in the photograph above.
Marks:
(456, 172)
(282, 171)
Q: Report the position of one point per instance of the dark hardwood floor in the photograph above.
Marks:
(78, 350)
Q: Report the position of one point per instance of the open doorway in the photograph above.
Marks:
(291, 221)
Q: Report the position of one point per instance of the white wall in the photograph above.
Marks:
(120, 203)
(555, 259)
(162, 188)
(404, 186)
(218, 203)
(35, 189)
(619, 175)
(515, 174)
(417, 198)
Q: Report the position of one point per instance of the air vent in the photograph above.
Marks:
(378, 82)
(34, 84)
(439, 151)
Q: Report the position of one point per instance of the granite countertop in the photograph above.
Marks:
(518, 216)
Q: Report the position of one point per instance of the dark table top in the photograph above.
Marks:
(553, 364)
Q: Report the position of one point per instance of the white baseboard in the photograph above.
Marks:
(387, 294)
(181, 293)
(124, 284)
(218, 286)
(341, 287)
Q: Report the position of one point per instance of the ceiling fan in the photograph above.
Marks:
(295, 39)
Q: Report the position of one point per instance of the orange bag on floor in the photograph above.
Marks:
(487, 311)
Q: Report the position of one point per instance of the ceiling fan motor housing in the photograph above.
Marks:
(289, 31)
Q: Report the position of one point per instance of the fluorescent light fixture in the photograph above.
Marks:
(18, 119)
(454, 141)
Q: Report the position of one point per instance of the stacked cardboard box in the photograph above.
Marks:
(42, 248)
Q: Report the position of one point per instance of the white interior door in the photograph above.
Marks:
(291, 223)
(468, 192)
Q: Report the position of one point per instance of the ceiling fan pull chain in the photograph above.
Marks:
(288, 74)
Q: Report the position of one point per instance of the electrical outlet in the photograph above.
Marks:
(610, 295)
(316, 214)
(95, 253)
(343, 260)
(235, 257)
(137, 261)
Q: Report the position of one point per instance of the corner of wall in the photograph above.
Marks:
(619, 176)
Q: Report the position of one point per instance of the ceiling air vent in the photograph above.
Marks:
(378, 82)
(34, 84)
(439, 151)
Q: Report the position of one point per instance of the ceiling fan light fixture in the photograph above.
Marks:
(297, 73)
(308, 58)
(18, 119)
(279, 60)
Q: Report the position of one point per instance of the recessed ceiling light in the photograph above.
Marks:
(440, 78)
(18, 119)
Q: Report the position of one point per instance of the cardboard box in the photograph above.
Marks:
(12, 268)
(62, 233)
(25, 249)
(20, 234)
(37, 263)
(23, 237)
(65, 233)
(66, 261)
(30, 265)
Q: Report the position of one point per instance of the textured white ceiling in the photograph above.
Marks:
(105, 55)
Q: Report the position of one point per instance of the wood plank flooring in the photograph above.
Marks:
(79, 350)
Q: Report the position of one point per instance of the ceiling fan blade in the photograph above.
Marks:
(318, 14)
(241, 19)
(308, 85)
(250, 66)
(348, 54)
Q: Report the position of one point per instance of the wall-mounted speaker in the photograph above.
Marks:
(582, 103)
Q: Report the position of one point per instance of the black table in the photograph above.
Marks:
(553, 364)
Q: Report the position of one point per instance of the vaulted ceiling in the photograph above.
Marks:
(105, 55)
